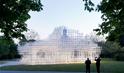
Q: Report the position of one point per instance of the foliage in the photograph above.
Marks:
(112, 25)
(3, 47)
(89, 5)
(30, 36)
(112, 16)
(14, 14)
(111, 50)
(113, 19)
(22, 41)
(120, 54)
(8, 50)
(4, 50)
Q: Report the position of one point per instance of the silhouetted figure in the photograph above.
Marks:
(98, 64)
(87, 62)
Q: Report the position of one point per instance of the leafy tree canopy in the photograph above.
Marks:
(14, 14)
(112, 16)
(8, 50)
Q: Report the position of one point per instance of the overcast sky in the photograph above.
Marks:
(69, 13)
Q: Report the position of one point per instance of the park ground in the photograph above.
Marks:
(39, 72)
(107, 66)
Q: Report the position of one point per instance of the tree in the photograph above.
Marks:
(8, 50)
(3, 48)
(109, 49)
(113, 19)
(30, 36)
(112, 25)
(14, 14)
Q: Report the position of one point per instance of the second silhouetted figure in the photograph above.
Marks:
(98, 64)
(88, 62)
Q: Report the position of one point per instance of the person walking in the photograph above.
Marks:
(88, 62)
(98, 64)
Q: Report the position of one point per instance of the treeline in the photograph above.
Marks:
(8, 49)
(111, 50)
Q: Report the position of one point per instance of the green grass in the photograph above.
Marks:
(107, 66)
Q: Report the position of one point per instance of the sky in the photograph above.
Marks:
(69, 13)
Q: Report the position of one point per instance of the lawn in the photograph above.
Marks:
(107, 66)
